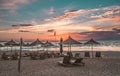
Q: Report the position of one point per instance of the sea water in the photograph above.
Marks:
(106, 45)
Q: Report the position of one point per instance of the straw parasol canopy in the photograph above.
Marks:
(47, 43)
(11, 43)
(25, 44)
(92, 42)
(70, 41)
(37, 42)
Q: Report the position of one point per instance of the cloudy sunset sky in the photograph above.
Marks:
(81, 19)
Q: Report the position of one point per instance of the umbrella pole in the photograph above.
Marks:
(61, 46)
(0, 50)
(37, 48)
(43, 48)
(61, 49)
(55, 40)
(19, 60)
(47, 49)
(7, 48)
(11, 51)
(70, 47)
(92, 50)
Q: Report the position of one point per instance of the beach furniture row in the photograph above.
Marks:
(43, 55)
(89, 55)
(14, 56)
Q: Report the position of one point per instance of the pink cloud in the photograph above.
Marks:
(71, 14)
(12, 5)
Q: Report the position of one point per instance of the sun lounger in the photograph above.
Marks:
(67, 62)
(33, 56)
(14, 56)
(87, 54)
(42, 56)
(70, 54)
(5, 57)
(66, 59)
(26, 55)
(63, 64)
(98, 54)
(78, 62)
(77, 55)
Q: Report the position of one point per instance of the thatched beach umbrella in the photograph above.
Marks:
(92, 42)
(70, 41)
(37, 42)
(11, 43)
(25, 44)
(47, 44)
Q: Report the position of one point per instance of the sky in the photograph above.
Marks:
(81, 19)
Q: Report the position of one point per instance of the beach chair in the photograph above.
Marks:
(33, 56)
(77, 55)
(70, 54)
(78, 62)
(14, 56)
(87, 54)
(26, 55)
(98, 54)
(4, 56)
(68, 62)
(41, 56)
(65, 62)
(51, 54)
(57, 55)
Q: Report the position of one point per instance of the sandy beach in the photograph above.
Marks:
(59, 37)
(108, 65)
